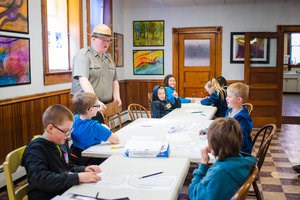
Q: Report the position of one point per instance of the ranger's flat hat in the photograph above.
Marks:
(102, 30)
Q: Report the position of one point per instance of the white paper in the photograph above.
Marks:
(153, 181)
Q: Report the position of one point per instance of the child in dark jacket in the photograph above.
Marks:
(46, 159)
(217, 97)
(160, 105)
(222, 179)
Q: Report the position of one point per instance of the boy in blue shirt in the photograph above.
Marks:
(88, 132)
(237, 93)
(222, 179)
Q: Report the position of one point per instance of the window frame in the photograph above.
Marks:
(56, 77)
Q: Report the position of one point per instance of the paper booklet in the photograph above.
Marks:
(146, 149)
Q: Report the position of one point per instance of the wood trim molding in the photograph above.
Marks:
(4, 102)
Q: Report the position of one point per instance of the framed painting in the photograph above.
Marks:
(118, 50)
(148, 33)
(259, 49)
(148, 62)
(14, 16)
(14, 61)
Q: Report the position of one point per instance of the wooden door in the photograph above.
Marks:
(196, 58)
(263, 74)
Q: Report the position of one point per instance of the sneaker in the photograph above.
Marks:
(296, 168)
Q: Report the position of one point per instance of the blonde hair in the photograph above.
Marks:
(239, 89)
(83, 101)
(215, 84)
(57, 114)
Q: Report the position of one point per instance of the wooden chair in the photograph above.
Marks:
(110, 112)
(241, 194)
(10, 165)
(249, 107)
(136, 111)
(266, 134)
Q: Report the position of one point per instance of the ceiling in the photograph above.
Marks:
(182, 3)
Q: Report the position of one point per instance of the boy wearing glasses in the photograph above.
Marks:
(88, 132)
(46, 158)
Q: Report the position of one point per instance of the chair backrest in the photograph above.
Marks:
(136, 111)
(10, 165)
(112, 110)
(241, 194)
(249, 107)
(266, 132)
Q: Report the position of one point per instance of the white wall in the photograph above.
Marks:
(36, 58)
(233, 18)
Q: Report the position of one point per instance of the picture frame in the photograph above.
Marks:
(148, 62)
(148, 33)
(14, 61)
(14, 16)
(260, 49)
(118, 49)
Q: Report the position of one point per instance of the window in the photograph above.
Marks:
(62, 38)
(295, 49)
(63, 33)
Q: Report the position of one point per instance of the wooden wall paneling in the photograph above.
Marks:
(137, 91)
(21, 118)
(123, 93)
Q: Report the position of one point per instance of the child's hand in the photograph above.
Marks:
(204, 155)
(93, 168)
(175, 94)
(192, 100)
(88, 177)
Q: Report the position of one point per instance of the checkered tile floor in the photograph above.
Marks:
(277, 178)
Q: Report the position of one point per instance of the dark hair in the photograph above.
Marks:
(166, 80)
(225, 137)
(57, 114)
(222, 81)
(155, 92)
(83, 101)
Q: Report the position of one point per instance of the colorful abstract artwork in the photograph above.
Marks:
(259, 49)
(148, 33)
(14, 61)
(148, 62)
(14, 16)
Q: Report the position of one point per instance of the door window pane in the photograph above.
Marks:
(295, 48)
(196, 53)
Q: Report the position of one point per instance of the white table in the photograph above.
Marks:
(182, 136)
(192, 111)
(120, 173)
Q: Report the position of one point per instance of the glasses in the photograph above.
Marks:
(96, 106)
(103, 39)
(68, 132)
